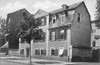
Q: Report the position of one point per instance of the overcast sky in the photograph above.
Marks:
(8, 6)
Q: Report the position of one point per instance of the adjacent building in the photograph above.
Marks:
(13, 22)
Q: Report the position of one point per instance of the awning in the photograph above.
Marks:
(5, 45)
(61, 51)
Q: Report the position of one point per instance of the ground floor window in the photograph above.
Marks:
(54, 52)
(63, 52)
(37, 51)
(43, 51)
(22, 51)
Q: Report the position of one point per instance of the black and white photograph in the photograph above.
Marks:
(49, 32)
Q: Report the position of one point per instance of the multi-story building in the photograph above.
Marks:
(13, 22)
(68, 33)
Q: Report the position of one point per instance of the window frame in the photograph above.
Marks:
(63, 17)
(53, 36)
(53, 18)
(78, 17)
(43, 23)
(51, 51)
(60, 34)
(37, 50)
(42, 49)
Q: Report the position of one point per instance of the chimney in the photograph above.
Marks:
(65, 7)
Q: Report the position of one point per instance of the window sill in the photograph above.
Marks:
(57, 40)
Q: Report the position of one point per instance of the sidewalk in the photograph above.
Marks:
(34, 61)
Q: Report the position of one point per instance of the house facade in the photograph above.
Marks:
(39, 47)
(68, 34)
(13, 22)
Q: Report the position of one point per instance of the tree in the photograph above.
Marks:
(97, 14)
(29, 30)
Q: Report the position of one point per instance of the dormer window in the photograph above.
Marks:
(63, 18)
(54, 19)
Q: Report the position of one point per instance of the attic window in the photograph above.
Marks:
(23, 13)
(78, 17)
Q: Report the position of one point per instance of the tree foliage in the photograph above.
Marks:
(97, 14)
(30, 29)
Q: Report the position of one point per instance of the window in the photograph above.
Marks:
(78, 18)
(43, 21)
(54, 19)
(65, 52)
(62, 52)
(43, 51)
(63, 18)
(93, 43)
(53, 35)
(54, 52)
(22, 51)
(61, 34)
(23, 13)
(71, 15)
(9, 20)
(37, 52)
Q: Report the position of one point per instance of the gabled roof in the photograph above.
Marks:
(20, 10)
(40, 13)
(70, 7)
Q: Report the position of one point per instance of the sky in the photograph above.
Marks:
(8, 6)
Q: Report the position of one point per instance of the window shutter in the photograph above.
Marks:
(50, 35)
(56, 52)
(50, 18)
(44, 20)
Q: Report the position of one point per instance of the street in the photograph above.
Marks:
(2, 62)
(13, 60)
